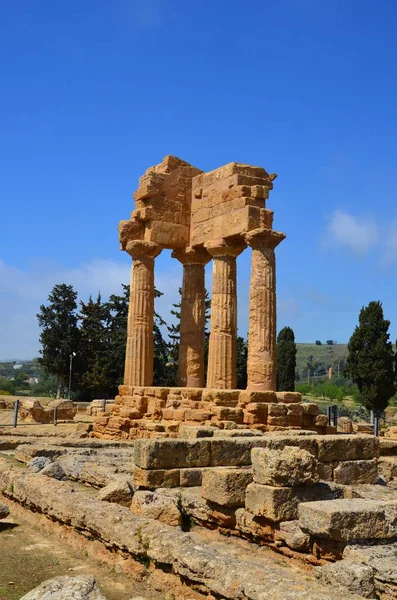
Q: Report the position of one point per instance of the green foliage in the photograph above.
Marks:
(318, 343)
(371, 361)
(4, 393)
(46, 386)
(7, 385)
(286, 360)
(303, 388)
(242, 355)
(59, 332)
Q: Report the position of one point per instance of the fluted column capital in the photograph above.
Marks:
(264, 238)
(142, 249)
(192, 256)
(222, 247)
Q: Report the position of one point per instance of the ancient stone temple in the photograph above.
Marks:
(203, 217)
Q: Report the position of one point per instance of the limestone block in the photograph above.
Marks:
(356, 471)
(354, 577)
(276, 410)
(321, 421)
(120, 491)
(325, 471)
(225, 486)
(295, 420)
(344, 520)
(253, 526)
(55, 471)
(191, 477)
(221, 397)
(198, 414)
(288, 467)
(310, 408)
(345, 425)
(153, 479)
(169, 454)
(388, 447)
(289, 397)
(156, 506)
(191, 431)
(278, 421)
(341, 447)
(248, 396)
(295, 409)
(237, 433)
(292, 535)
(225, 413)
(273, 503)
(388, 467)
(227, 452)
(37, 464)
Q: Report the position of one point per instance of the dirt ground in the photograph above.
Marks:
(29, 555)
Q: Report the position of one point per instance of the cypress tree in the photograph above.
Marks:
(371, 361)
(286, 360)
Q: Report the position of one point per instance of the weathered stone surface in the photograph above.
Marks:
(347, 575)
(344, 520)
(190, 431)
(170, 454)
(156, 478)
(120, 491)
(54, 470)
(382, 560)
(292, 535)
(237, 433)
(225, 486)
(153, 505)
(356, 471)
(37, 464)
(353, 447)
(81, 587)
(223, 335)
(25, 452)
(388, 467)
(288, 467)
(4, 511)
(273, 503)
(254, 527)
(223, 573)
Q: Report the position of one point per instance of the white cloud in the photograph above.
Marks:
(390, 247)
(22, 291)
(356, 234)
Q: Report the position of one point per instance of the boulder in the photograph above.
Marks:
(66, 410)
(292, 535)
(82, 587)
(120, 491)
(55, 471)
(38, 463)
(288, 467)
(4, 511)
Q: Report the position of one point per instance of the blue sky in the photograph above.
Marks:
(93, 92)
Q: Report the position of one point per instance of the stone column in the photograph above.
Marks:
(223, 335)
(192, 323)
(261, 366)
(139, 351)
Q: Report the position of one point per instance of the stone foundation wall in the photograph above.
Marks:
(152, 412)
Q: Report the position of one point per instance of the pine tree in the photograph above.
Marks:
(60, 335)
(164, 372)
(371, 361)
(286, 360)
(174, 334)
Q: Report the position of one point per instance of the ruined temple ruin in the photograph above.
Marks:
(203, 217)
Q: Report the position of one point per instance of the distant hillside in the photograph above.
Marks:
(326, 355)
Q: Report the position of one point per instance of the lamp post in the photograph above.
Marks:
(70, 372)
